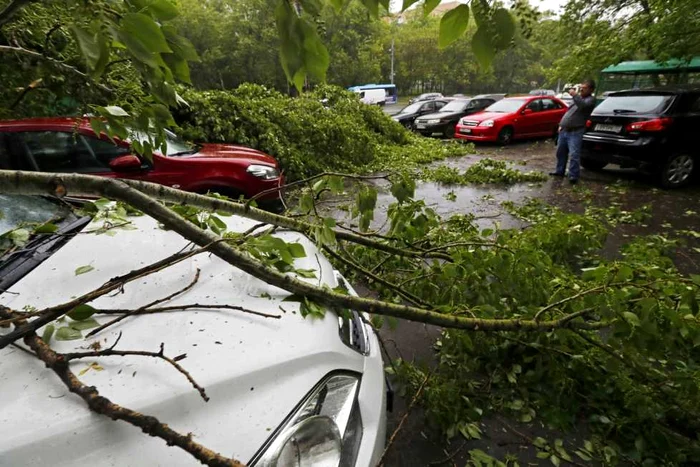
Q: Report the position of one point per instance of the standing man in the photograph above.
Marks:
(571, 129)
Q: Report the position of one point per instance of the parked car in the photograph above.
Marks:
(651, 129)
(426, 97)
(287, 391)
(542, 92)
(444, 120)
(408, 114)
(372, 96)
(513, 118)
(70, 145)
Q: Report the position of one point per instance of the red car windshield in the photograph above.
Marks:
(176, 145)
(506, 105)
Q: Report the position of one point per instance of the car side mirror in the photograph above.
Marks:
(126, 163)
(526, 111)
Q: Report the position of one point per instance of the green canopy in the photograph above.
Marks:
(650, 66)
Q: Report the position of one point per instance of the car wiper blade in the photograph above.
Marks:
(624, 111)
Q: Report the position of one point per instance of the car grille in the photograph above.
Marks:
(469, 123)
(421, 121)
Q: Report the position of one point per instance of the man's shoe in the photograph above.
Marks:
(573, 181)
(556, 174)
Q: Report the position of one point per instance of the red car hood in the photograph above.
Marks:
(230, 151)
(483, 116)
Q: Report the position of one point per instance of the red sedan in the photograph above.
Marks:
(70, 145)
(513, 118)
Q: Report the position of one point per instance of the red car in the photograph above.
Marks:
(513, 118)
(52, 145)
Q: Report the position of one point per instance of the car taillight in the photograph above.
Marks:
(657, 124)
(589, 123)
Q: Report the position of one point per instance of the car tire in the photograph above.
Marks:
(592, 164)
(505, 136)
(677, 171)
(449, 131)
(408, 125)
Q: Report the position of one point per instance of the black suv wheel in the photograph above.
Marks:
(677, 171)
(592, 164)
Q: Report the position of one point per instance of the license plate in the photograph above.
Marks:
(466, 131)
(608, 128)
(420, 126)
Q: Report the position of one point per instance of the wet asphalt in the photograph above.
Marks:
(671, 211)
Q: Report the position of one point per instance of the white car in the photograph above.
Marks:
(372, 96)
(283, 392)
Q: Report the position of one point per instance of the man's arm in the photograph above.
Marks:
(584, 103)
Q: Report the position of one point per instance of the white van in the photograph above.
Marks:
(372, 96)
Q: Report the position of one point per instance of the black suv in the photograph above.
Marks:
(649, 129)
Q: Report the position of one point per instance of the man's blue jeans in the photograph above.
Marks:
(569, 145)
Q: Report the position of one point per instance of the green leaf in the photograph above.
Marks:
(163, 10)
(543, 455)
(555, 460)
(338, 5)
(407, 4)
(583, 455)
(115, 111)
(48, 333)
(481, 12)
(632, 318)
(181, 46)
(82, 325)
(504, 26)
(67, 333)
(453, 24)
(83, 269)
(81, 312)
(93, 47)
(306, 273)
(429, 6)
(372, 6)
(46, 228)
(143, 29)
(297, 250)
(316, 56)
(482, 47)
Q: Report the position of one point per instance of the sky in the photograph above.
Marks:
(543, 5)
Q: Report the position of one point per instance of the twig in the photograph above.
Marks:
(403, 419)
(72, 69)
(310, 179)
(110, 352)
(451, 456)
(407, 295)
(153, 303)
(194, 306)
(101, 405)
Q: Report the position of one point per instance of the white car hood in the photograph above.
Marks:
(254, 369)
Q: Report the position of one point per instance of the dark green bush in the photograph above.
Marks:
(326, 130)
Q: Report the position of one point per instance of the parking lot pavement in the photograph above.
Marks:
(671, 211)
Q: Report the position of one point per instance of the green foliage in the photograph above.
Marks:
(634, 384)
(484, 171)
(306, 135)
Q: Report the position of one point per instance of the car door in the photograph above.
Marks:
(686, 124)
(528, 122)
(551, 115)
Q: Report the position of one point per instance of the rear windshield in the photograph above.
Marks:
(639, 104)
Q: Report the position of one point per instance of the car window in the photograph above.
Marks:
(5, 163)
(549, 104)
(105, 151)
(61, 151)
(473, 104)
(535, 105)
(439, 105)
(428, 107)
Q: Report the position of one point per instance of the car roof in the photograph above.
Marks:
(47, 122)
(675, 89)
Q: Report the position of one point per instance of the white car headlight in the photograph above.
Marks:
(488, 123)
(263, 171)
(325, 429)
(433, 121)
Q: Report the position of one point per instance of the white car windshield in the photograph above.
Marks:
(506, 105)
(176, 145)
(19, 210)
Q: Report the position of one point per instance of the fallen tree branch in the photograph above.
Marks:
(123, 353)
(194, 306)
(41, 183)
